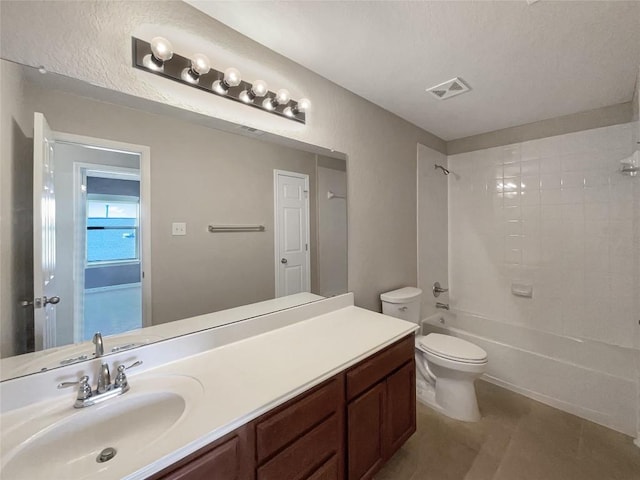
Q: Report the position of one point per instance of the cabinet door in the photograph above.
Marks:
(401, 408)
(365, 427)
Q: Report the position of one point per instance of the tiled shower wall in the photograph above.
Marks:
(554, 214)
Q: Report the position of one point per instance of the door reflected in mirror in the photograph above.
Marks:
(112, 217)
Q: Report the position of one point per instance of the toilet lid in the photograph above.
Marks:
(452, 348)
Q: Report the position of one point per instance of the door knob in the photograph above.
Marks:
(40, 302)
(52, 301)
(284, 260)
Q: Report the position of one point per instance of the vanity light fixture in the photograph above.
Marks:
(157, 57)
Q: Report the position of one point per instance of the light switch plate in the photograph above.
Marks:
(178, 228)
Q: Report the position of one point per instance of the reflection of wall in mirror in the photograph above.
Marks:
(332, 227)
(199, 176)
(16, 206)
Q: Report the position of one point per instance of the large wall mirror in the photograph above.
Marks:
(143, 221)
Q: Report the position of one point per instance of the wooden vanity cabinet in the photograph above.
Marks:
(304, 438)
(345, 428)
(228, 458)
(381, 409)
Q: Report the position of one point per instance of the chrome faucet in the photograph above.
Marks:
(97, 341)
(105, 389)
(443, 306)
(104, 379)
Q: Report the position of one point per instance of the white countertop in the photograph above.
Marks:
(242, 380)
(34, 362)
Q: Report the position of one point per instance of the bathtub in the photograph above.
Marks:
(592, 380)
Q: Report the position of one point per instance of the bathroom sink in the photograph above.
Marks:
(69, 441)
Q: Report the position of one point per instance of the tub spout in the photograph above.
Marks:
(443, 306)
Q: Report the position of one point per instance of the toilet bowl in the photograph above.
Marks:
(446, 366)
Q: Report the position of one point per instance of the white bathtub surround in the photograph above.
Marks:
(554, 214)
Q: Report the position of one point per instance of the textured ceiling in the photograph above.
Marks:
(523, 62)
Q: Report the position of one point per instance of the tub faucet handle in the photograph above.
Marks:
(437, 289)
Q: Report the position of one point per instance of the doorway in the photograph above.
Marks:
(91, 237)
(291, 220)
(109, 299)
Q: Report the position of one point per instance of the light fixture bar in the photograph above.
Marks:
(173, 70)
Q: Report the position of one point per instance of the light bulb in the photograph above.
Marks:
(283, 96)
(245, 97)
(152, 63)
(161, 48)
(260, 88)
(232, 77)
(268, 103)
(200, 64)
(190, 76)
(288, 111)
(219, 88)
(304, 104)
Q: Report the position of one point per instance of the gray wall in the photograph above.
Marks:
(433, 226)
(636, 98)
(92, 41)
(576, 122)
(332, 227)
(16, 204)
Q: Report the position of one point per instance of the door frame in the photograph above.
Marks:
(145, 204)
(276, 230)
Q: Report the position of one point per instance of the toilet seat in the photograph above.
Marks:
(451, 348)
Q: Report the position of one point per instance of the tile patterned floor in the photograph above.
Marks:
(517, 439)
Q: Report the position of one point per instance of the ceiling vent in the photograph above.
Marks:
(251, 130)
(449, 89)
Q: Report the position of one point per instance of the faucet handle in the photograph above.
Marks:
(84, 389)
(121, 378)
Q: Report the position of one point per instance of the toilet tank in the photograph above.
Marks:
(403, 303)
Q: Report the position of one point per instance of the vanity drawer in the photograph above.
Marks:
(300, 460)
(228, 458)
(330, 470)
(295, 418)
(370, 371)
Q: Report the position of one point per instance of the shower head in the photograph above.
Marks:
(444, 170)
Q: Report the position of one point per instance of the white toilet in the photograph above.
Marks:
(446, 366)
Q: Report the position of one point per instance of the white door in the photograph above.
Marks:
(291, 233)
(44, 235)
